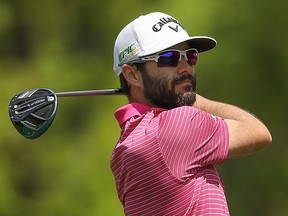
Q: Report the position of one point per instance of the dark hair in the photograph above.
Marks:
(125, 87)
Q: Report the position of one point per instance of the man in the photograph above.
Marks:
(171, 137)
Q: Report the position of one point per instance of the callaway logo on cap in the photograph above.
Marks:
(150, 34)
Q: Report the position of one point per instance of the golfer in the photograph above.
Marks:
(171, 137)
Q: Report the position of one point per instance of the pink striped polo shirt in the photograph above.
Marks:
(163, 163)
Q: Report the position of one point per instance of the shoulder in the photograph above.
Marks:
(183, 112)
(187, 115)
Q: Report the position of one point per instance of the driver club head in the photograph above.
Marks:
(33, 111)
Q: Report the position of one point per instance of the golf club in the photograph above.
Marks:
(33, 111)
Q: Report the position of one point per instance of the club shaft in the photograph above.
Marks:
(90, 93)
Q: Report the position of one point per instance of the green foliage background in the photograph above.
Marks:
(68, 44)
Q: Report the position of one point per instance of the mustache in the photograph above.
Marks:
(182, 78)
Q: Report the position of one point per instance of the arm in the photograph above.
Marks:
(247, 134)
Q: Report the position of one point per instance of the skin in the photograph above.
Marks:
(247, 134)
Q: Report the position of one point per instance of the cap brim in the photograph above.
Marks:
(201, 43)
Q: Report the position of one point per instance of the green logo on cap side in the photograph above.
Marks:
(129, 52)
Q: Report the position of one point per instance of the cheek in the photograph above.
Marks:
(165, 80)
(168, 75)
(165, 74)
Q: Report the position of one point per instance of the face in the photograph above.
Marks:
(170, 87)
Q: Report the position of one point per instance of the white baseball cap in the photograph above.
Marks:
(152, 33)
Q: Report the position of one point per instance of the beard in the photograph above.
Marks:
(157, 91)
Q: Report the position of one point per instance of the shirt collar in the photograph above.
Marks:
(130, 110)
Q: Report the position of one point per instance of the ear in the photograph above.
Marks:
(132, 75)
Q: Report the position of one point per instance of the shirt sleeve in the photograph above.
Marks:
(190, 138)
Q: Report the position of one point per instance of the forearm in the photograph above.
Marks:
(223, 110)
(247, 134)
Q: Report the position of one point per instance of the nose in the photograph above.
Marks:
(184, 66)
